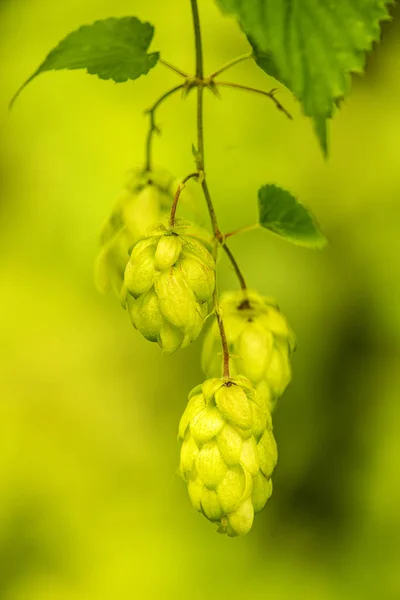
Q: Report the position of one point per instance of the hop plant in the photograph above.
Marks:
(228, 452)
(168, 284)
(165, 275)
(145, 201)
(260, 342)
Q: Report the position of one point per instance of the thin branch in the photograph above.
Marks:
(173, 68)
(211, 210)
(242, 230)
(200, 162)
(153, 127)
(224, 342)
(231, 64)
(197, 39)
(178, 192)
(200, 129)
(200, 121)
(237, 270)
(270, 94)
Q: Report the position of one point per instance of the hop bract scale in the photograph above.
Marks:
(228, 452)
(168, 284)
(145, 201)
(260, 342)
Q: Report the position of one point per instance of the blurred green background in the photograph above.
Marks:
(90, 502)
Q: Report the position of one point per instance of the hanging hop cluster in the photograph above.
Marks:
(228, 452)
(145, 201)
(165, 277)
(260, 342)
(168, 284)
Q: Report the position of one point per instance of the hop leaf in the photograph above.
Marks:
(226, 458)
(111, 49)
(311, 46)
(281, 213)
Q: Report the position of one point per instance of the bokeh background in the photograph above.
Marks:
(90, 502)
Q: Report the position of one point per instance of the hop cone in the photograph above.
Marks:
(168, 283)
(144, 202)
(228, 452)
(260, 342)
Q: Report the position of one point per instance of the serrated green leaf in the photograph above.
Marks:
(311, 46)
(111, 49)
(282, 214)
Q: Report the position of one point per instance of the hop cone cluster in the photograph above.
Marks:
(168, 283)
(145, 201)
(228, 452)
(260, 343)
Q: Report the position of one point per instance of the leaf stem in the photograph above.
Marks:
(242, 230)
(173, 68)
(231, 64)
(178, 192)
(153, 127)
(270, 94)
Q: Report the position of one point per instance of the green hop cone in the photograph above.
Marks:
(260, 343)
(228, 452)
(145, 201)
(168, 284)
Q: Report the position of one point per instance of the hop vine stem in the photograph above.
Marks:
(200, 160)
(200, 140)
(224, 341)
(200, 83)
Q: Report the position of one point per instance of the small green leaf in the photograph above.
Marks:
(311, 46)
(111, 49)
(282, 214)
